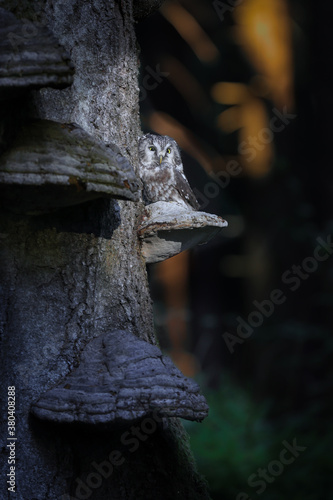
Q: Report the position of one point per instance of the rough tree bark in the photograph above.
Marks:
(76, 273)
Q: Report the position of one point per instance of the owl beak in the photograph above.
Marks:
(161, 158)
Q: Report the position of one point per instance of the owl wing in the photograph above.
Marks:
(185, 191)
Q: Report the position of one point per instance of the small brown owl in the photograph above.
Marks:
(161, 171)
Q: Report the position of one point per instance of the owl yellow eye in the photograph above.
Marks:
(168, 151)
(152, 148)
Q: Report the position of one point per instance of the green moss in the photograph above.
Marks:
(238, 438)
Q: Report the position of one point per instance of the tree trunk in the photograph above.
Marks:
(74, 274)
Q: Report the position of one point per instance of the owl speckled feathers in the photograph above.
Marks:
(161, 171)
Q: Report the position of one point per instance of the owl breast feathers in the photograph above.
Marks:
(161, 172)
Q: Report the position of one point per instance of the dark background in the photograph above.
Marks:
(214, 75)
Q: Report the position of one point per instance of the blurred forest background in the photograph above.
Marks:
(245, 87)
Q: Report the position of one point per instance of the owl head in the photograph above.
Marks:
(159, 150)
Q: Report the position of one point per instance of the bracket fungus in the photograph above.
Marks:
(121, 378)
(51, 165)
(30, 57)
(168, 228)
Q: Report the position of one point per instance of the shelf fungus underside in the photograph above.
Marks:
(168, 228)
(52, 165)
(121, 378)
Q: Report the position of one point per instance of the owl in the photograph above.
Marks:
(161, 171)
